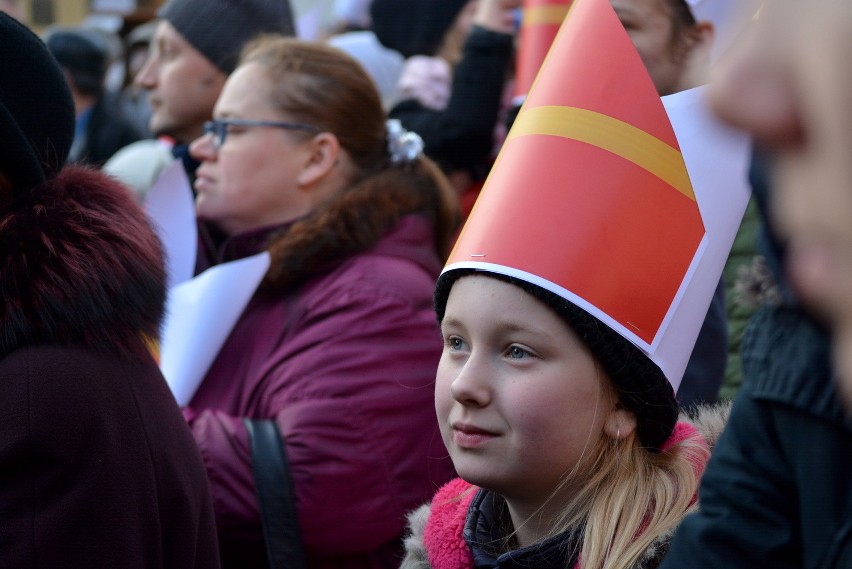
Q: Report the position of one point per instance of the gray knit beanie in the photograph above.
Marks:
(220, 28)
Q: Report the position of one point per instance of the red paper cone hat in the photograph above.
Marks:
(590, 196)
(540, 23)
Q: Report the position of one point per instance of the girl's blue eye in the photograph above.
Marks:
(517, 353)
(455, 344)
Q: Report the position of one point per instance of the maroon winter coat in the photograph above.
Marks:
(345, 362)
(97, 466)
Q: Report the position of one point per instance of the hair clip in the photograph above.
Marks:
(404, 147)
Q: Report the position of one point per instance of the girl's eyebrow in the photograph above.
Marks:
(507, 325)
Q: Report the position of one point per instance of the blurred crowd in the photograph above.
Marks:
(377, 163)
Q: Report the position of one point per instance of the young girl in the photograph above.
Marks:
(564, 435)
(568, 312)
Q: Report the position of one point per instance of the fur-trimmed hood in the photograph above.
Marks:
(79, 266)
(709, 421)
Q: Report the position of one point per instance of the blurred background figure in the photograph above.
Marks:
(14, 9)
(383, 64)
(101, 127)
(776, 492)
(97, 467)
(134, 98)
(350, 15)
(453, 88)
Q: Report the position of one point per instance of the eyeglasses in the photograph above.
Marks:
(219, 128)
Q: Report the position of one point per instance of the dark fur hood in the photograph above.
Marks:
(79, 266)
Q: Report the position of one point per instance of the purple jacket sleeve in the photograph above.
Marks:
(352, 391)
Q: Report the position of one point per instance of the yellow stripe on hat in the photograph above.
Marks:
(540, 15)
(608, 133)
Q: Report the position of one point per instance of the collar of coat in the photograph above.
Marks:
(352, 222)
(80, 267)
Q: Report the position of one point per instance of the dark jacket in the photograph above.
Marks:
(344, 360)
(461, 137)
(705, 370)
(778, 490)
(97, 466)
(109, 130)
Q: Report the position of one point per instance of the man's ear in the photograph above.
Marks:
(620, 423)
(323, 154)
(697, 42)
(696, 55)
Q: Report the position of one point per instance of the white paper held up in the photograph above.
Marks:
(171, 208)
(201, 313)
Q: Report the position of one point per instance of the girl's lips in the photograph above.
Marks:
(467, 436)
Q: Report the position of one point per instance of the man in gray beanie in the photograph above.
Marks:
(195, 48)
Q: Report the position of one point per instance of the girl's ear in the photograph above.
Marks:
(321, 158)
(620, 423)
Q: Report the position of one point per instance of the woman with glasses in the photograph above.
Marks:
(339, 345)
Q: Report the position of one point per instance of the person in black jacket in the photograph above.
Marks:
(97, 465)
(102, 128)
(461, 135)
(777, 490)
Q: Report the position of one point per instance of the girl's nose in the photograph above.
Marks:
(472, 384)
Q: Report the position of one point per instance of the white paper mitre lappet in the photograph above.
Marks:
(608, 198)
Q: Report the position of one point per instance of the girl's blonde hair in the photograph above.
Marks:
(631, 498)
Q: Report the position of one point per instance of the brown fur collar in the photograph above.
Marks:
(79, 266)
(358, 218)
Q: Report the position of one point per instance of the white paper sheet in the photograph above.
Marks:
(201, 313)
(171, 208)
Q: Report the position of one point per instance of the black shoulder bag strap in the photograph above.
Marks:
(275, 495)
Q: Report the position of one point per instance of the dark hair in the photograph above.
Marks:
(317, 84)
(641, 385)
